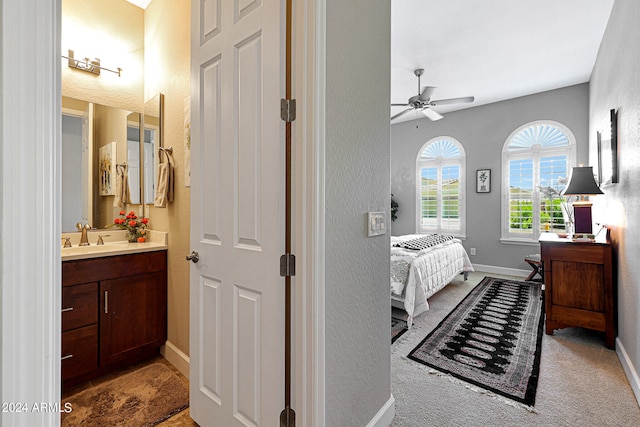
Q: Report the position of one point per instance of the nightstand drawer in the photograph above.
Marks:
(79, 306)
(79, 351)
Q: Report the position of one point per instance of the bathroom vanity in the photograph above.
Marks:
(114, 310)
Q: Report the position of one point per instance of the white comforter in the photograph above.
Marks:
(417, 275)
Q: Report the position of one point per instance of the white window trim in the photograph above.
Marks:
(462, 162)
(506, 238)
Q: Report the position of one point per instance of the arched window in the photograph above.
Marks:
(440, 187)
(536, 161)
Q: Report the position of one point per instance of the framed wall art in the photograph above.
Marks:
(607, 138)
(483, 181)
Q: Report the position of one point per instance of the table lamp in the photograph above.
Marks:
(581, 184)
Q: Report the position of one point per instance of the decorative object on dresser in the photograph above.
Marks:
(579, 286)
(492, 339)
(582, 183)
(114, 312)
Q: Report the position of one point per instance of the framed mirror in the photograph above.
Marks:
(97, 139)
(153, 141)
(77, 163)
(134, 159)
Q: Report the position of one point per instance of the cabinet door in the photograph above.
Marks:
(133, 316)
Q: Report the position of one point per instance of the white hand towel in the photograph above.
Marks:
(122, 187)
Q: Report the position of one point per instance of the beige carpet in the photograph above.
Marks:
(144, 397)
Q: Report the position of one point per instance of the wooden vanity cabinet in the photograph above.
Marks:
(114, 312)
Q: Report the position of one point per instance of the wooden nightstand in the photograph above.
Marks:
(578, 278)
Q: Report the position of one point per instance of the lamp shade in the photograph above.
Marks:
(582, 182)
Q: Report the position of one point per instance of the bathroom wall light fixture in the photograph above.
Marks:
(88, 65)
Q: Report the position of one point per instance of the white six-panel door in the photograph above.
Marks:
(237, 193)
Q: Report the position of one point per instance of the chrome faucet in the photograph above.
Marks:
(84, 239)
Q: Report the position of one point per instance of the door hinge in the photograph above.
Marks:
(287, 265)
(288, 109)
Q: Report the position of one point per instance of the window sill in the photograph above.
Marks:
(521, 242)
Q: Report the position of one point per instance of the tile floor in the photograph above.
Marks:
(178, 420)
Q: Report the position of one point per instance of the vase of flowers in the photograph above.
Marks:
(559, 203)
(136, 227)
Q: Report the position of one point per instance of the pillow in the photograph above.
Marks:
(424, 242)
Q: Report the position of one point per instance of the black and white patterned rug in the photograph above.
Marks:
(398, 327)
(492, 339)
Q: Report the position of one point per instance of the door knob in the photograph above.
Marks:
(193, 257)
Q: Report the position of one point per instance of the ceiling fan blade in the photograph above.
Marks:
(452, 101)
(401, 113)
(431, 114)
(399, 105)
(427, 91)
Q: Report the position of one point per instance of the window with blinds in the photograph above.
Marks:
(537, 159)
(440, 187)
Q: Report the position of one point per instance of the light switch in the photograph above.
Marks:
(376, 223)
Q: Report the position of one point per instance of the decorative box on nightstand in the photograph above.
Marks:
(579, 288)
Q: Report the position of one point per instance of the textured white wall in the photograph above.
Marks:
(357, 305)
(615, 85)
(483, 131)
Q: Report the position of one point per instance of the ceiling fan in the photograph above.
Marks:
(422, 101)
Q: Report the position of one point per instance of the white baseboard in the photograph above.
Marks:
(385, 415)
(501, 270)
(176, 357)
(629, 370)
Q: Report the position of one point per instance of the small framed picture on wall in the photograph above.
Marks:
(483, 181)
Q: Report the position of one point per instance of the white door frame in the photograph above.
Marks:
(309, 59)
(30, 225)
(30, 266)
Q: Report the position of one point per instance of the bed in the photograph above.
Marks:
(421, 265)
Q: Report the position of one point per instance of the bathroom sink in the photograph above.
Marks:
(107, 247)
(113, 248)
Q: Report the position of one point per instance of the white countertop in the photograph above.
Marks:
(115, 243)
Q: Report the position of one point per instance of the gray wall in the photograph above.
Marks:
(357, 310)
(615, 84)
(483, 131)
